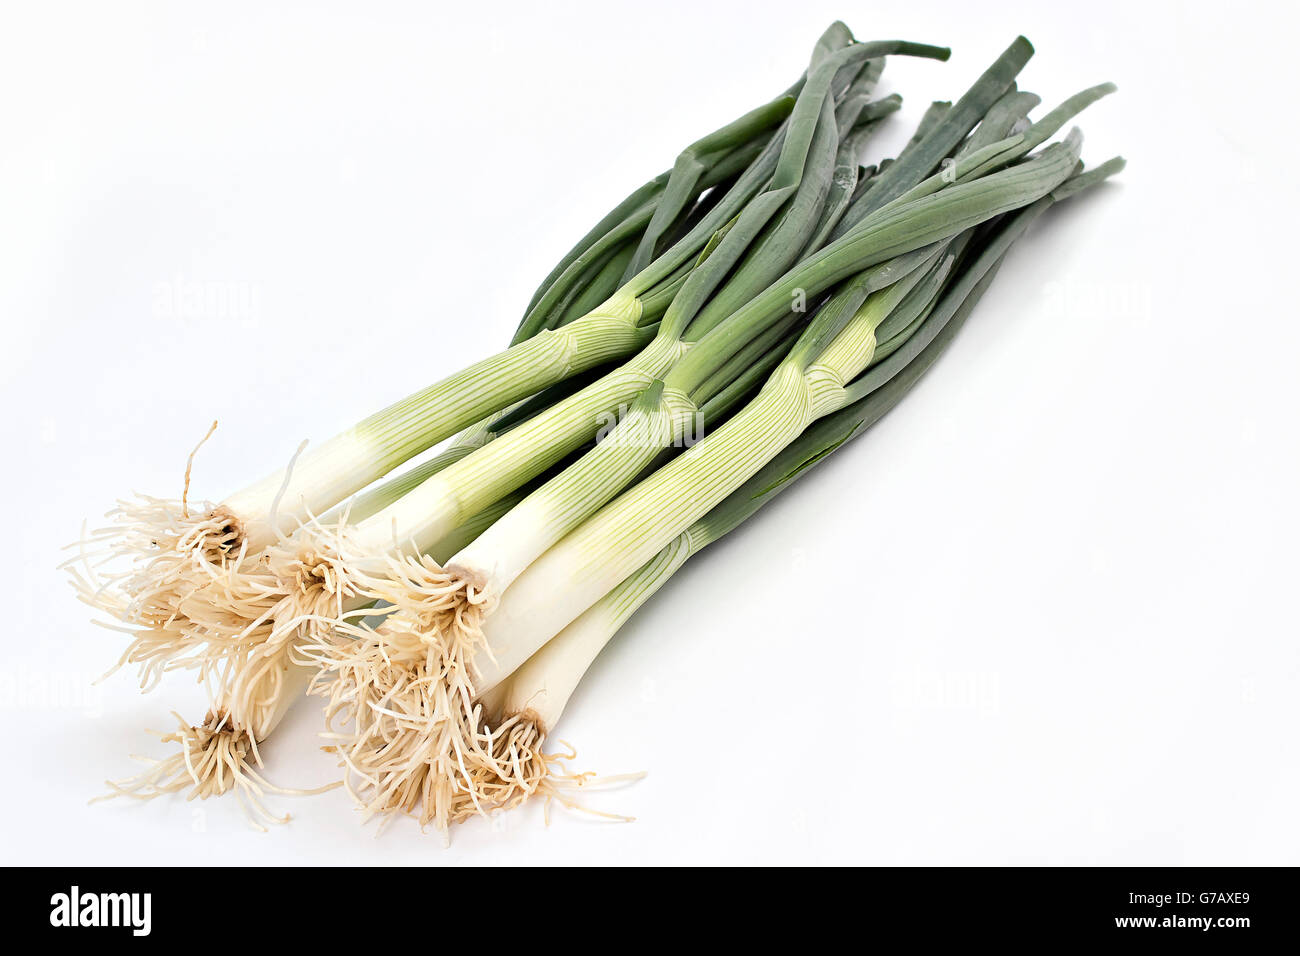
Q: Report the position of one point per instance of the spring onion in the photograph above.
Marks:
(730, 324)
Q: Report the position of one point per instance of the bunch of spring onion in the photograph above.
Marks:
(224, 589)
(769, 286)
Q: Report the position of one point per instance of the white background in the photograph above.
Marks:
(1042, 613)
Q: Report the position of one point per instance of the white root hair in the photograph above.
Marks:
(520, 769)
(215, 757)
(402, 719)
(412, 738)
(182, 582)
(151, 569)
